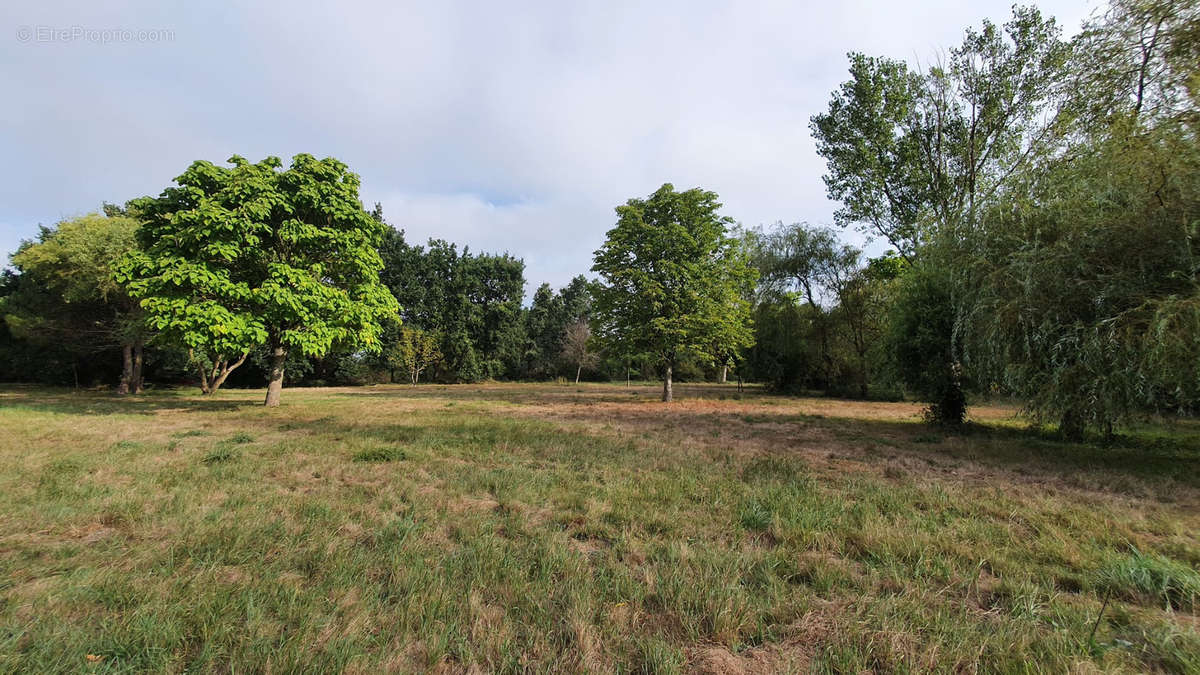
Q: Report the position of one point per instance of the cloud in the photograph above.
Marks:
(504, 126)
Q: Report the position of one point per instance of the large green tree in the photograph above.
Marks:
(67, 295)
(911, 153)
(1084, 283)
(672, 280)
(917, 156)
(254, 254)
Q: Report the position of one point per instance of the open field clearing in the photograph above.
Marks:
(522, 527)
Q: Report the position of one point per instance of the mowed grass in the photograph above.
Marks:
(582, 529)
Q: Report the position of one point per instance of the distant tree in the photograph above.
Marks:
(920, 342)
(672, 280)
(547, 322)
(413, 352)
(801, 258)
(251, 254)
(68, 294)
(575, 348)
(471, 301)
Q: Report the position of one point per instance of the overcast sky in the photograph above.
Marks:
(507, 126)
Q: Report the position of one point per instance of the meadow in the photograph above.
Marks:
(584, 528)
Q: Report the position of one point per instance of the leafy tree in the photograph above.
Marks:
(1138, 60)
(917, 157)
(252, 254)
(920, 342)
(472, 301)
(68, 295)
(672, 280)
(548, 321)
(413, 352)
(800, 258)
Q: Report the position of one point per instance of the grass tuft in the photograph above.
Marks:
(380, 454)
(755, 516)
(1151, 578)
(220, 454)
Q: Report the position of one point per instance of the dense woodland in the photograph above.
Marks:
(1040, 197)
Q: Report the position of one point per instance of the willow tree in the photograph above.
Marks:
(672, 280)
(1086, 279)
(251, 255)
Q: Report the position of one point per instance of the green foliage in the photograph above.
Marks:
(1084, 280)
(919, 341)
(874, 165)
(65, 300)
(831, 342)
(247, 255)
(413, 351)
(472, 302)
(912, 154)
(551, 315)
(673, 281)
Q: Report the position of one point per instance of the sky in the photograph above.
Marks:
(506, 126)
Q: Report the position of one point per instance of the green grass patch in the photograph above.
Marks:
(543, 529)
(380, 454)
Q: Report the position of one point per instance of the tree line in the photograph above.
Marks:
(1038, 195)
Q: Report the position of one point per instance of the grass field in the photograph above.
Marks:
(582, 529)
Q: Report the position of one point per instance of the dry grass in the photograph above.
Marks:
(582, 529)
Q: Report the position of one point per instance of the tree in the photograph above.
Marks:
(414, 351)
(547, 323)
(575, 346)
(472, 301)
(672, 280)
(1137, 60)
(918, 157)
(253, 254)
(920, 342)
(910, 154)
(68, 294)
(801, 258)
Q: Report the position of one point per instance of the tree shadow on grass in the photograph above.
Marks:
(86, 402)
(549, 393)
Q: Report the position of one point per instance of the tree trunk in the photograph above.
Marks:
(578, 370)
(139, 360)
(724, 373)
(126, 369)
(275, 383)
(1072, 425)
(204, 388)
(668, 394)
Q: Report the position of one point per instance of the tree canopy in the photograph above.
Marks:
(672, 280)
(252, 254)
